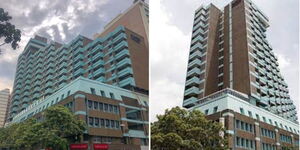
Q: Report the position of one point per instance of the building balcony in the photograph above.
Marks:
(127, 81)
(198, 31)
(192, 91)
(78, 43)
(199, 24)
(49, 90)
(101, 79)
(123, 62)
(121, 44)
(196, 54)
(124, 52)
(98, 55)
(125, 71)
(190, 100)
(198, 38)
(78, 57)
(120, 36)
(97, 48)
(64, 70)
(79, 71)
(99, 71)
(196, 62)
(197, 45)
(193, 81)
(194, 71)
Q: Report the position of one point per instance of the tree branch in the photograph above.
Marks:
(2, 44)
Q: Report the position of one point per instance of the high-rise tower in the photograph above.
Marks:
(103, 81)
(230, 56)
(4, 101)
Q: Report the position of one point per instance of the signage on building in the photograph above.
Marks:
(79, 146)
(100, 146)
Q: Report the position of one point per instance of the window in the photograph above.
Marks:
(62, 96)
(257, 117)
(270, 121)
(250, 114)
(112, 96)
(244, 126)
(116, 110)
(242, 111)
(215, 109)
(107, 123)
(135, 38)
(97, 122)
(91, 121)
(276, 124)
(264, 119)
(102, 93)
(105, 107)
(285, 138)
(93, 91)
(117, 124)
(206, 111)
(95, 105)
(112, 123)
(90, 104)
(101, 106)
(68, 93)
(102, 123)
(267, 133)
(110, 108)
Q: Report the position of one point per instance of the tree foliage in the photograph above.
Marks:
(179, 129)
(58, 128)
(8, 31)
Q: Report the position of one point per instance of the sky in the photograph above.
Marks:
(59, 20)
(170, 34)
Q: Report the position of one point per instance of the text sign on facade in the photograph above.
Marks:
(100, 146)
(78, 146)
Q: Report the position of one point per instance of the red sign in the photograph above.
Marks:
(78, 146)
(100, 146)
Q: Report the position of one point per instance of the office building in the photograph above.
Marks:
(4, 100)
(104, 81)
(115, 116)
(233, 74)
(43, 67)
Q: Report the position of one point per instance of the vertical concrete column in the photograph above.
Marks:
(277, 139)
(80, 109)
(229, 127)
(257, 135)
(222, 121)
(293, 141)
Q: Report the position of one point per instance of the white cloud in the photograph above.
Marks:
(168, 53)
(283, 61)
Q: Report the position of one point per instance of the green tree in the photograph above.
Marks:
(61, 127)
(8, 31)
(56, 130)
(180, 129)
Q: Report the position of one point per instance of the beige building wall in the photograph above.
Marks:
(4, 98)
